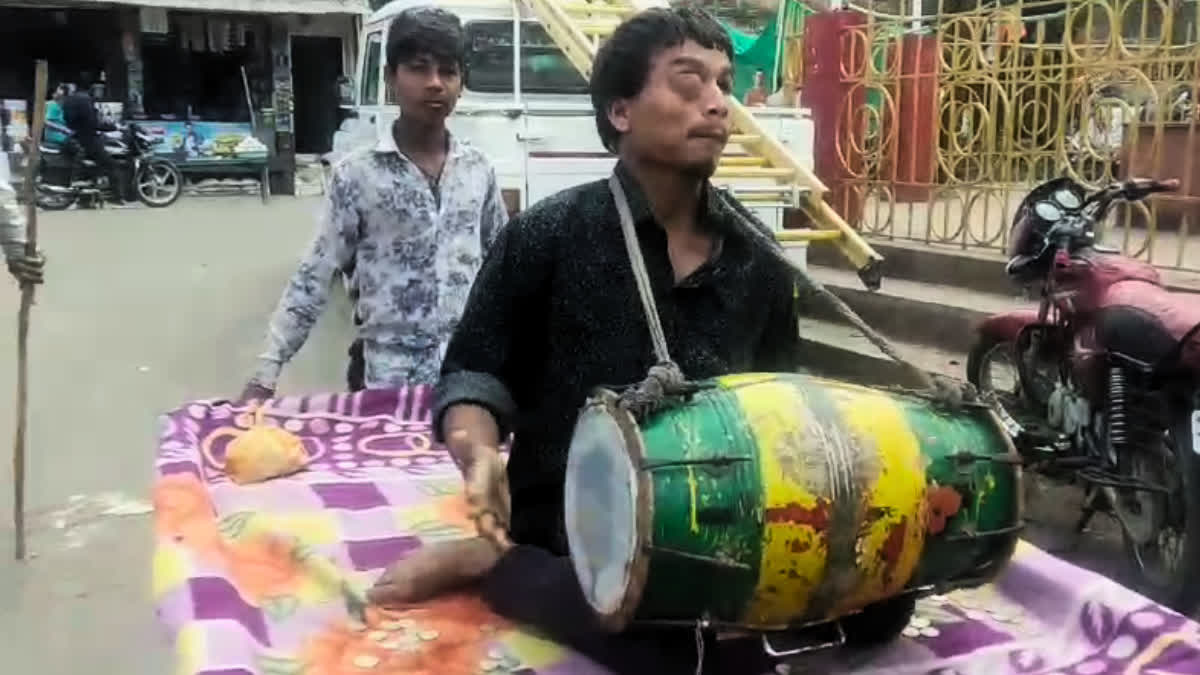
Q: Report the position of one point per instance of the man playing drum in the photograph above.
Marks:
(555, 311)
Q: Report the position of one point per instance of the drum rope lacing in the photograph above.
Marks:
(665, 381)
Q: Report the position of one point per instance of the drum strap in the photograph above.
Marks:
(665, 381)
(640, 275)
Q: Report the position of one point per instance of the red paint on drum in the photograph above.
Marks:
(816, 517)
(943, 502)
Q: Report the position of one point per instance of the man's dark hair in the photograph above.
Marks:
(623, 62)
(422, 31)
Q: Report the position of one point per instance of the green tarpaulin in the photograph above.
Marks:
(752, 53)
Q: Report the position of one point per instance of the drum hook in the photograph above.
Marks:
(779, 654)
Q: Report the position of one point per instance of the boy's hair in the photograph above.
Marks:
(623, 62)
(421, 31)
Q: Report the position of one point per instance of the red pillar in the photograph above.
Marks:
(834, 58)
(913, 167)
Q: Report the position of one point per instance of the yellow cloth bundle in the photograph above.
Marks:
(264, 452)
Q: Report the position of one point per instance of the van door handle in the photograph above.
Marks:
(529, 139)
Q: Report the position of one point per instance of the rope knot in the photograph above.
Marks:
(664, 384)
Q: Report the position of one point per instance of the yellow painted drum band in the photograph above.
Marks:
(844, 480)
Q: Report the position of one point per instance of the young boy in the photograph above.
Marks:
(411, 216)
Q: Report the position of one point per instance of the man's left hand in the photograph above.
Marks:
(28, 269)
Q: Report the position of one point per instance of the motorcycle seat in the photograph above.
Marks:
(1145, 322)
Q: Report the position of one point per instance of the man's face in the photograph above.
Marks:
(427, 90)
(681, 117)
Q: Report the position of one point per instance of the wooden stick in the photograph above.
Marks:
(41, 78)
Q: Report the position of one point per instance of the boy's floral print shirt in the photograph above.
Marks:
(414, 246)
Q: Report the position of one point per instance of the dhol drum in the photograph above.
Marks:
(775, 501)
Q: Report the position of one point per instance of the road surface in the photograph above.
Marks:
(142, 310)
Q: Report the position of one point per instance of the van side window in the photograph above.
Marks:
(544, 68)
(370, 74)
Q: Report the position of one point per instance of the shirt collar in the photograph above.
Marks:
(713, 214)
(386, 144)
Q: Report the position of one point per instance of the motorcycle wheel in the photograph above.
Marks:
(1165, 566)
(984, 360)
(158, 183)
(1015, 393)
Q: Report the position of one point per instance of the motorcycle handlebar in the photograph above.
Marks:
(1132, 190)
(1139, 188)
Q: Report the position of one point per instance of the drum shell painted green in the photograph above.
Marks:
(710, 530)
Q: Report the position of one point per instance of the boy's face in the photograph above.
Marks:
(681, 117)
(426, 89)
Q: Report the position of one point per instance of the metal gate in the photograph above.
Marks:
(946, 120)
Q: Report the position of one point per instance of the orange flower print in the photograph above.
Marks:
(183, 512)
(446, 636)
(262, 566)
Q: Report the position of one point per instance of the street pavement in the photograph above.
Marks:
(144, 310)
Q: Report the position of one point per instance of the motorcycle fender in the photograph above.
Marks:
(1008, 325)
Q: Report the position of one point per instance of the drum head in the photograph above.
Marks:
(603, 495)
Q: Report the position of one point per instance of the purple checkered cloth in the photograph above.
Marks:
(237, 596)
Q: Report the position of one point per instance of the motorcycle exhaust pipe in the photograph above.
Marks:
(55, 189)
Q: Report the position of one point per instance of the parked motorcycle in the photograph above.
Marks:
(66, 176)
(1104, 386)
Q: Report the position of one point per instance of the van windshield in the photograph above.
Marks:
(544, 68)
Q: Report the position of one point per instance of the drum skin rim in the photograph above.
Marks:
(639, 570)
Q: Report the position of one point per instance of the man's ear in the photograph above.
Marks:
(618, 115)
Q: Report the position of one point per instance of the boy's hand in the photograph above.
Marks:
(256, 392)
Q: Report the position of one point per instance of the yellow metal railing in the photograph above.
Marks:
(1022, 92)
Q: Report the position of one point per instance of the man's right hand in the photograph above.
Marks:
(27, 269)
(257, 392)
(486, 485)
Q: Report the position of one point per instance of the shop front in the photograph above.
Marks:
(229, 86)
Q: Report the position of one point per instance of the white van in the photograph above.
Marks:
(523, 104)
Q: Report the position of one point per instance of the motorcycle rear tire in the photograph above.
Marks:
(177, 176)
(1182, 593)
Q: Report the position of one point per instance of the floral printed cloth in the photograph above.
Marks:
(244, 585)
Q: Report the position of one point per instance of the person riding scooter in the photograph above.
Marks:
(79, 112)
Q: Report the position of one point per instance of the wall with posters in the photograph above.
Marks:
(201, 144)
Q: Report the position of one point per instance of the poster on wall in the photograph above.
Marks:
(17, 128)
(110, 112)
(206, 143)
